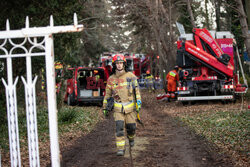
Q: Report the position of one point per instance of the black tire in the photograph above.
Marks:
(192, 102)
(99, 104)
(184, 103)
(68, 101)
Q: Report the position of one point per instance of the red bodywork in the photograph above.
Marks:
(137, 67)
(209, 59)
(197, 50)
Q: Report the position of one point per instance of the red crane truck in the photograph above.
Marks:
(210, 66)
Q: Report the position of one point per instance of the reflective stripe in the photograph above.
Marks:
(131, 136)
(172, 74)
(149, 77)
(125, 105)
(120, 143)
(124, 84)
(136, 83)
(105, 101)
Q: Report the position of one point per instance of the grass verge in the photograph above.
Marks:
(72, 121)
(228, 129)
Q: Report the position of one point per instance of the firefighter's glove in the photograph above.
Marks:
(138, 105)
(105, 112)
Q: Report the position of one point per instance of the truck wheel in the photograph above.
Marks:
(68, 101)
(99, 104)
(184, 103)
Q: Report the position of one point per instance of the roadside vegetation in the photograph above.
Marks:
(227, 128)
(71, 121)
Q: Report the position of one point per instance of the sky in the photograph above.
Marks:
(211, 10)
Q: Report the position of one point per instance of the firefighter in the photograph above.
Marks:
(149, 81)
(119, 87)
(82, 79)
(97, 76)
(172, 77)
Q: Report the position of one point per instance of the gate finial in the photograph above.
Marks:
(27, 24)
(51, 21)
(75, 19)
(7, 25)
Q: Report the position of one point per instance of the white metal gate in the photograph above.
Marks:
(30, 35)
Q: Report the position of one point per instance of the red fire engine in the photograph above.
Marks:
(135, 63)
(210, 67)
(86, 85)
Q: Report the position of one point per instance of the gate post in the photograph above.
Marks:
(51, 97)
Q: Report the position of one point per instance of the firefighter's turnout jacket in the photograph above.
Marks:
(172, 77)
(120, 86)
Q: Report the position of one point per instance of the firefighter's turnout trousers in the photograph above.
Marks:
(118, 86)
(124, 121)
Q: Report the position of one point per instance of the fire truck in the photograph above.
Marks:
(133, 62)
(86, 85)
(137, 63)
(210, 66)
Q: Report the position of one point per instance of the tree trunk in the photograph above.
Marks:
(244, 26)
(247, 8)
(170, 24)
(229, 18)
(206, 15)
(161, 45)
(217, 5)
(190, 12)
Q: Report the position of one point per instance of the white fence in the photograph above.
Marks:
(46, 48)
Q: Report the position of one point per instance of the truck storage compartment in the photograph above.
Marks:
(90, 83)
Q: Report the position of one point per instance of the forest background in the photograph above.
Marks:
(134, 26)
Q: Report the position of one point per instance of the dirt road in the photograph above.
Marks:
(162, 142)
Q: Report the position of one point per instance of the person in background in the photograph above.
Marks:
(149, 81)
(172, 79)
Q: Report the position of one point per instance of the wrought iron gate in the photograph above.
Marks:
(46, 48)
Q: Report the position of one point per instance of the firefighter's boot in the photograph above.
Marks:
(120, 153)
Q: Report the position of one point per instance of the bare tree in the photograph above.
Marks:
(151, 21)
(244, 26)
(189, 2)
(206, 15)
(217, 5)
